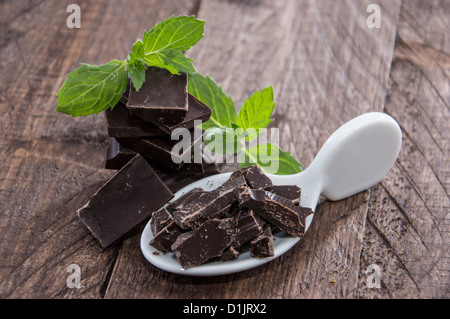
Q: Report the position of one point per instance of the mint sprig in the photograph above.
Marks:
(228, 131)
(257, 110)
(91, 89)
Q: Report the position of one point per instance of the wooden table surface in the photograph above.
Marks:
(326, 66)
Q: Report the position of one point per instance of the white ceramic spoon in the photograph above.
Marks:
(356, 157)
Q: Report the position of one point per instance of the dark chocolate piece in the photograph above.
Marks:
(193, 194)
(126, 200)
(277, 210)
(160, 219)
(254, 176)
(208, 205)
(208, 241)
(161, 148)
(262, 246)
(197, 111)
(163, 97)
(231, 253)
(120, 123)
(117, 156)
(186, 168)
(248, 226)
(165, 238)
(291, 192)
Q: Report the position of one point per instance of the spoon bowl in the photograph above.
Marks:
(355, 157)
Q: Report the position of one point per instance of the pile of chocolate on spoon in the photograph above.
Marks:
(216, 225)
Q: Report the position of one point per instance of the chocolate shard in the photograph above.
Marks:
(231, 253)
(208, 205)
(197, 111)
(248, 226)
(291, 192)
(208, 241)
(162, 98)
(277, 210)
(193, 194)
(117, 156)
(120, 123)
(262, 246)
(163, 149)
(254, 176)
(165, 238)
(160, 219)
(125, 201)
(186, 168)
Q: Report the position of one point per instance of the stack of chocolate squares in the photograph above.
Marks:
(143, 122)
(246, 210)
(141, 149)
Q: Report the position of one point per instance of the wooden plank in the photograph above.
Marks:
(326, 67)
(51, 163)
(408, 232)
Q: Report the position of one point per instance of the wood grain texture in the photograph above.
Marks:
(326, 67)
(51, 163)
(408, 220)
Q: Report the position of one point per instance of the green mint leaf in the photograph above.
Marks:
(271, 159)
(207, 91)
(91, 89)
(157, 61)
(164, 43)
(257, 110)
(173, 61)
(178, 61)
(137, 52)
(136, 72)
(179, 33)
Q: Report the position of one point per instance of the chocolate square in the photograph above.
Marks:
(163, 97)
(125, 201)
(120, 123)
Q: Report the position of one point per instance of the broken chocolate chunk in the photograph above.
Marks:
(163, 97)
(117, 156)
(185, 198)
(262, 246)
(231, 253)
(208, 241)
(248, 226)
(120, 123)
(160, 219)
(291, 192)
(277, 210)
(165, 238)
(126, 200)
(208, 205)
(254, 176)
(161, 148)
(197, 111)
